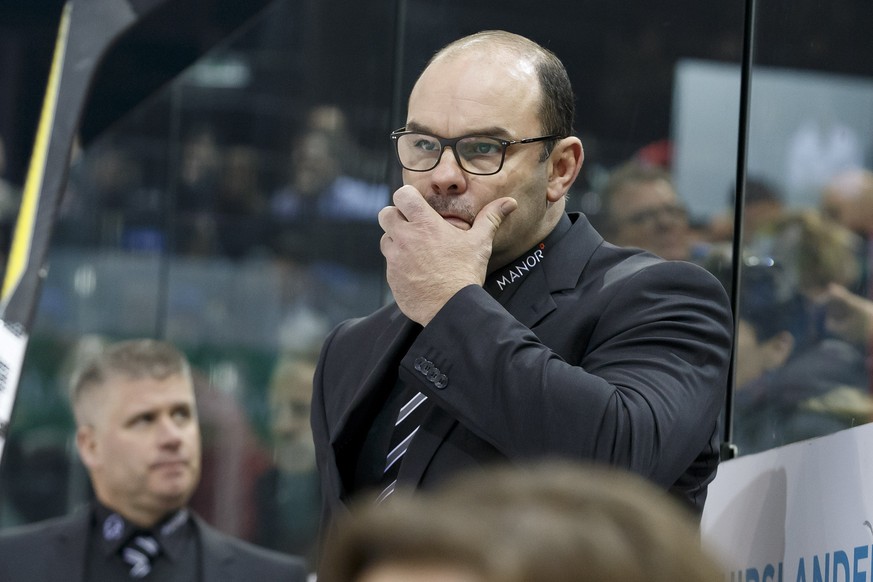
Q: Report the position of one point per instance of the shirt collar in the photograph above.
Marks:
(114, 530)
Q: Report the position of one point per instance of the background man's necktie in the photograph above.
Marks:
(139, 553)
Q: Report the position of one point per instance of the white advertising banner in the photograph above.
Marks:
(799, 513)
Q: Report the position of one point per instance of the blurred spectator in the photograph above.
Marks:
(240, 188)
(813, 253)
(818, 391)
(233, 458)
(848, 199)
(763, 204)
(200, 170)
(849, 316)
(555, 522)
(322, 193)
(241, 204)
(795, 378)
(812, 250)
(643, 210)
(289, 499)
(766, 324)
(196, 229)
(107, 201)
(319, 186)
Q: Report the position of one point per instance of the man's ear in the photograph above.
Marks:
(86, 444)
(564, 165)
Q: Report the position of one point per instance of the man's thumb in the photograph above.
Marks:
(492, 214)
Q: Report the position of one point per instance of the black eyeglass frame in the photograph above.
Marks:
(453, 142)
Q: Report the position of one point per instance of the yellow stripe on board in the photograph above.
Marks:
(21, 242)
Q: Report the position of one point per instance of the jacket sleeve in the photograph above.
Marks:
(642, 391)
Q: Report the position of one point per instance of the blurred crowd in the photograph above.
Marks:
(804, 318)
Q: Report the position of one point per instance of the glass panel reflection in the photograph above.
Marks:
(234, 214)
(805, 309)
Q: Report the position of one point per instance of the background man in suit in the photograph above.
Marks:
(138, 437)
(517, 332)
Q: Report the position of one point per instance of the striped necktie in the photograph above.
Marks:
(139, 553)
(407, 424)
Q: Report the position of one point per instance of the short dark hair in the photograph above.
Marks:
(558, 106)
(630, 172)
(137, 358)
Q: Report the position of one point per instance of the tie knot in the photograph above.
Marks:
(139, 553)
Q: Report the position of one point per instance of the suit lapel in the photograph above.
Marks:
(216, 559)
(433, 431)
(362, 405)
(68, 550)
(532, 301)
(561, 270)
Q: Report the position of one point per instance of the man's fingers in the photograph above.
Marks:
(384, 243)
(412, 204)
(386, 216)
(407, 205)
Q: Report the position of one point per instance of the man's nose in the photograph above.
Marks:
(169, 431)
(448, 176)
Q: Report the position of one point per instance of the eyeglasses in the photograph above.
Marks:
(482, 155)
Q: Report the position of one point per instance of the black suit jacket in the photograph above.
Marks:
(602, 353)
(54, 550)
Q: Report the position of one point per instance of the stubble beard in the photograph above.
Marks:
(451, 205)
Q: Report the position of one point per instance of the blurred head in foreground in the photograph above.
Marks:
(551, 521)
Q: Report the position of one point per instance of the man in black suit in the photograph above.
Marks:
(517, 332)
(138, 437)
